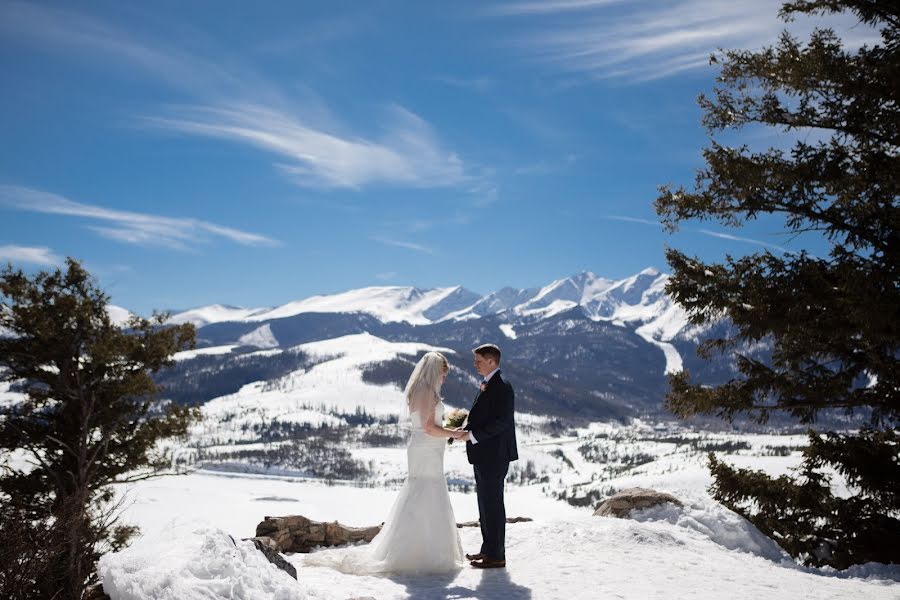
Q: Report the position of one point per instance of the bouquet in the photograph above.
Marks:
(455, 418)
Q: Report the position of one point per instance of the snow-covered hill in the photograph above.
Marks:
(117, 314)
(215, 313)
(312, 396)
(388, 304)
(192, 527)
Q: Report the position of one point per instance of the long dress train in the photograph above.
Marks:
(420, 534)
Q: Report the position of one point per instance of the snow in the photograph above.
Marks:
(261, 337)
(389, 304)
(9, 397)
(190, 560)
(719, 524)
(508, 330)
(701, 551)
(579, 289)
(332, 386)
(674, 363)
(189, 354)
(544, 312)
(637, 301)
(117, 315)
(215, 313)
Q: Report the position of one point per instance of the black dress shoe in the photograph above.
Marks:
(478, 556)
(488, 563)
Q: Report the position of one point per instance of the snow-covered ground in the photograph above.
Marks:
(699, 551)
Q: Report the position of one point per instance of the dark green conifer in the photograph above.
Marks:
(832, 321)
(90, 419)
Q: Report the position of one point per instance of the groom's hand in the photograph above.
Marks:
(465, 437)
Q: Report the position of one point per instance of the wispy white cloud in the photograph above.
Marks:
(422, 225)
(228, 99)
(83, 38)
(633, 220)
(544, 6)
(401, 244)
(709, 232)
(317, 34)
(736, 238)
(386, 276)
(130, 227)
(33, 255)
(408, 153)
(643, 40)
(545, 167)
(484, 192)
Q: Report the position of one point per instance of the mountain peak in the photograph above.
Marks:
(601, 298)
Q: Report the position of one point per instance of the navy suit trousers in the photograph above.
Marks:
(489, 478)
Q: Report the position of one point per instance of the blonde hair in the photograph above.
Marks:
(427, 373)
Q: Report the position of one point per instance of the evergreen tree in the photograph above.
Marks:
(89, 419)
(831, 321)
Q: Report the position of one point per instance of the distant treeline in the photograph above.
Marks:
(200, 379)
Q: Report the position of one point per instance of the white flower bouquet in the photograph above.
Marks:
(455, 418)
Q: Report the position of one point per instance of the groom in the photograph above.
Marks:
(491, 446)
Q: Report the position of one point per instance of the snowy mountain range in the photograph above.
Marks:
(584, 346)
(638, 302)
(639, 297)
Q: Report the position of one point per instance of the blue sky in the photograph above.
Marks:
(200, 152)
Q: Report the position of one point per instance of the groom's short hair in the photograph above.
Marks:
(488, 351)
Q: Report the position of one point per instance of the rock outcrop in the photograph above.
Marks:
(621, 504)
(296, 533)
(269, 548)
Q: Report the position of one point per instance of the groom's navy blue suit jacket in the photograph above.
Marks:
(491, 422)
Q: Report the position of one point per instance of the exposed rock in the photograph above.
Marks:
(268, 547)
(95, 592)
(621, 504)
(298, 534)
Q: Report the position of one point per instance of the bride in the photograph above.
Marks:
(419, 535)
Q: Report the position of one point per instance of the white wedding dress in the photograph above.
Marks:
(419, 535)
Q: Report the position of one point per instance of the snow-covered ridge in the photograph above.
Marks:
(215, 313)
(117, 315)
(387, 304)
(638, 301)
(640, 297)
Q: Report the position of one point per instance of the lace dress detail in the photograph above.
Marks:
(419, 535)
